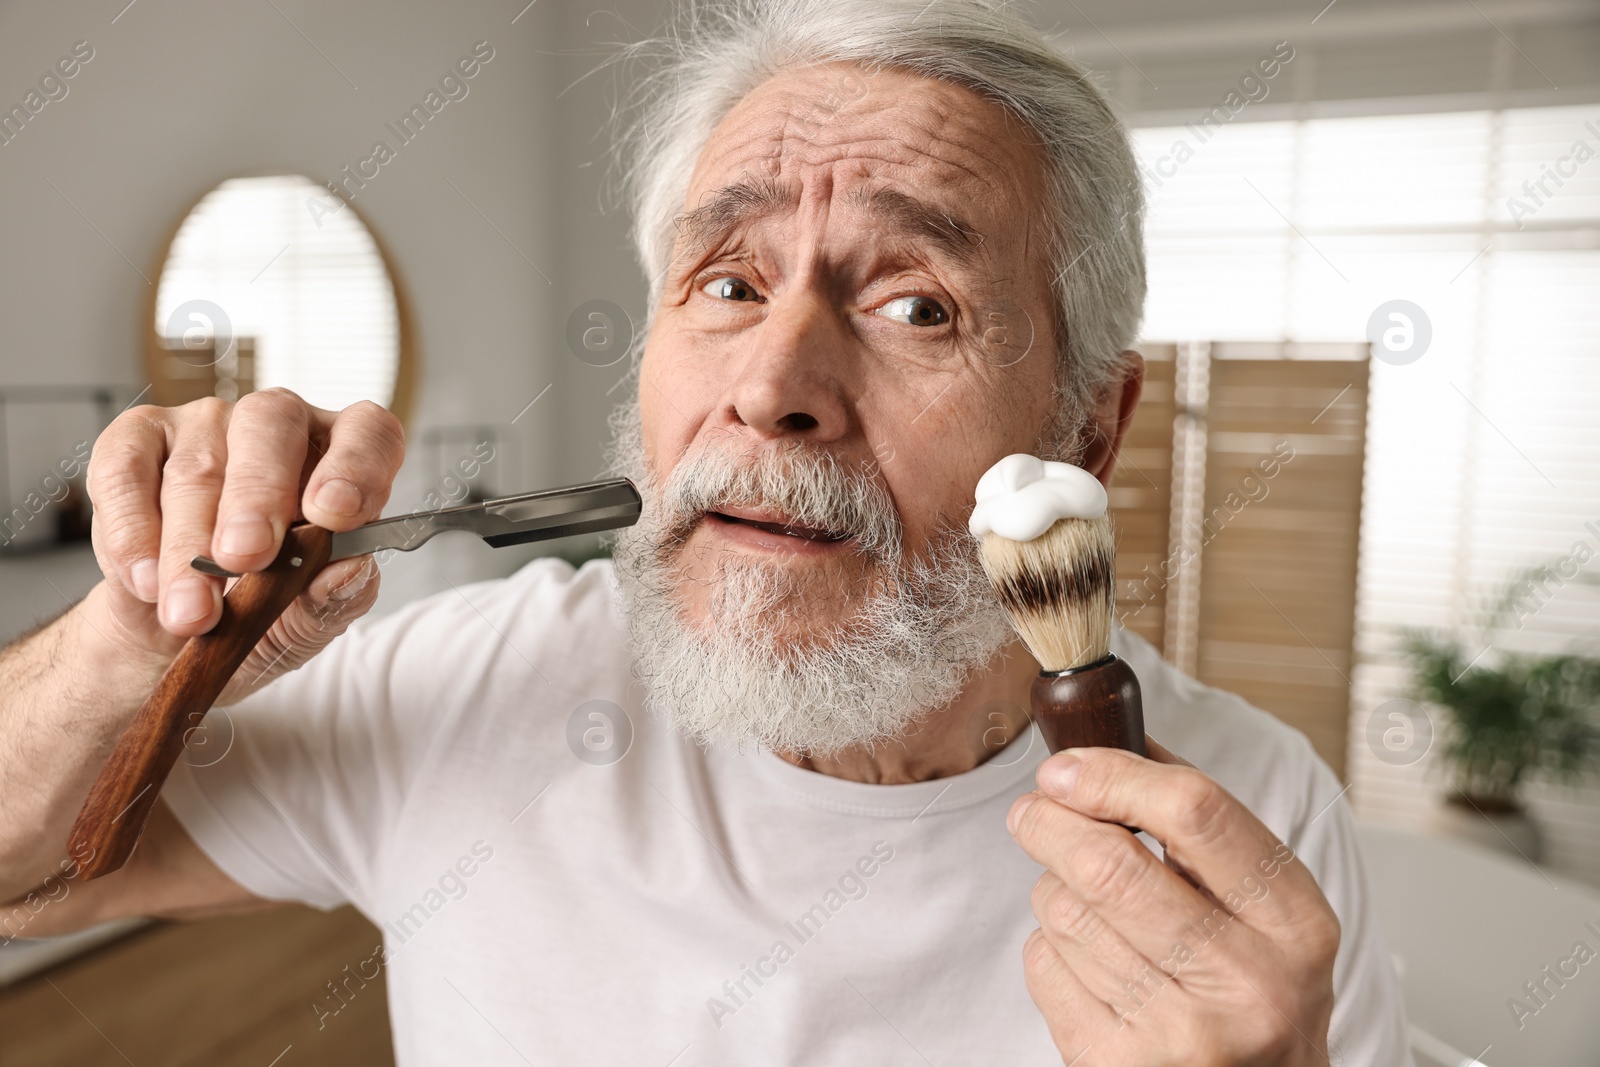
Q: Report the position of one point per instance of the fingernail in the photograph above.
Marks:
(245, 535)
(352, 585)
(1014, 816)
(188, 600)
(339, 497)
(144, 576)
(1058, 774)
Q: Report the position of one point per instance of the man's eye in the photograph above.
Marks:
(730, 289)
(914, 310)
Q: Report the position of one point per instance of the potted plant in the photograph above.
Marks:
(1510, 716)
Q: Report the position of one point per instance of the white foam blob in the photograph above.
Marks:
(1022, 496)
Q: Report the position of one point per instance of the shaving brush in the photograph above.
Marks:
(1050, 554)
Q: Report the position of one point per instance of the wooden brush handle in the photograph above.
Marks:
(1098, 706)
(113, 816)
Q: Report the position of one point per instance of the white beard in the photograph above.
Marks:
(742, 678)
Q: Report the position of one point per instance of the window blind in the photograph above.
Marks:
(1483, 455)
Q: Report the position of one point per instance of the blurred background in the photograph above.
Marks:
(1363, 489)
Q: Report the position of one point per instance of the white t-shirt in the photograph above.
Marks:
(453, 770)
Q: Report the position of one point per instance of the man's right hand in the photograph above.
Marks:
(226, 480)
(168, 484)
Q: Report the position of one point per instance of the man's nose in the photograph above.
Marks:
(792, 382)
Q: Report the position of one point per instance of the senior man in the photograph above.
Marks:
(759, 791)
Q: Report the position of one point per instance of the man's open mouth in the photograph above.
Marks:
(787, 529)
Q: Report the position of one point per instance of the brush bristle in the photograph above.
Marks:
(1059, 589)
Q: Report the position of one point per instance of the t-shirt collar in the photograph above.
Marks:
(1009, 771)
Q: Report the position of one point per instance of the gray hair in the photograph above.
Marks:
(716, 51)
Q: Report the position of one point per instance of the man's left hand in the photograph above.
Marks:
(1221, 955)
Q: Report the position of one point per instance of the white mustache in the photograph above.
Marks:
(806, 487)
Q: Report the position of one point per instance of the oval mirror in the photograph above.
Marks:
(256, 290)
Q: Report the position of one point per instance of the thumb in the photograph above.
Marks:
(340, 594)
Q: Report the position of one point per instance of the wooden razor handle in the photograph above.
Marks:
(113, 816)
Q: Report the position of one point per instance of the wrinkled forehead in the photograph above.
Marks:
(917, 158)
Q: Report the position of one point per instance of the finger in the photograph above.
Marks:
(1201, 825)
(1102, 958)
(1075, 1016)
(267, 444)
(351, 482)
(1161, 754)
(124, 486)
(1155, 750)
(339, 594)
(191, 484)
(1107, 871)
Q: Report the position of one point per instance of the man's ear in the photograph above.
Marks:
(1111, 417)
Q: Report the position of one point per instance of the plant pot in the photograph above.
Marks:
(1491, 823)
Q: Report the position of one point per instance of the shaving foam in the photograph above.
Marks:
(1022, 496)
